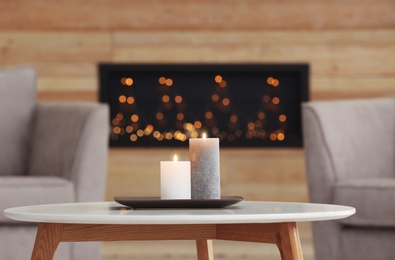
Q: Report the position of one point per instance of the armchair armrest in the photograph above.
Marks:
(321, 171)
(374, 199)
(70, 140)
(347, 139)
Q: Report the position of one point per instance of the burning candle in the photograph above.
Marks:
(175, 179)
(205, 172)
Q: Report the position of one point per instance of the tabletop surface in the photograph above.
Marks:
(243, 212)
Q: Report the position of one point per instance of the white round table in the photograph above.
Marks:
(266, 222)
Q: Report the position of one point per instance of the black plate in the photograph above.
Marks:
(156, 202)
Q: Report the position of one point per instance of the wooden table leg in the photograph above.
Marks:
(284, 235)
(204, 249)
(288, 242)
(47, 241)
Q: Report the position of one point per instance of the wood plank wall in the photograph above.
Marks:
(350, 46)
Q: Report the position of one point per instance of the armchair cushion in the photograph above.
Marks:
(17, 98)
(374, 200)
(33, 190)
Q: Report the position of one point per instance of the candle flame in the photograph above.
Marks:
(204, 135)
(175, 158)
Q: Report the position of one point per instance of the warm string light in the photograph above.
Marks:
(254, 129)
(127, 81)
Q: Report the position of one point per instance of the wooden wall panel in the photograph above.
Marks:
(54, 46)
(64, 60)
(67, 96)
(72, 84)
(192, 15)
(329, 52)
(247, 37)
(324, 59)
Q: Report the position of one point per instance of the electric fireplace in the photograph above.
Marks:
(244, 105)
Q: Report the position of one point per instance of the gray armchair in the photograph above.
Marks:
(350, 160)
(49, 153)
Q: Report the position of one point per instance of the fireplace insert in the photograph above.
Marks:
(244, 105)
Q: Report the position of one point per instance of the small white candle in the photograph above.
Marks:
(205, 172)
(175, 179)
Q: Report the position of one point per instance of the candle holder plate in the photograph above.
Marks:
(157, 202)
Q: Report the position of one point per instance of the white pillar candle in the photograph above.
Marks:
(205, 172)
(175, 179)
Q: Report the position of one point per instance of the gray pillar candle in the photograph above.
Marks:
(205, 173)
